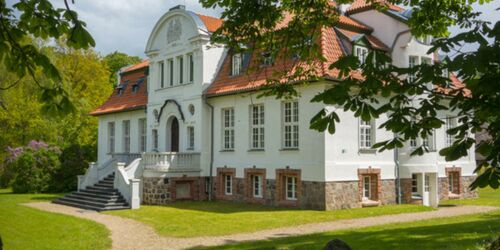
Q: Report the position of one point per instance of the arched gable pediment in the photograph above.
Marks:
(174, 27)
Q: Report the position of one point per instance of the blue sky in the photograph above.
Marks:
(125, 25)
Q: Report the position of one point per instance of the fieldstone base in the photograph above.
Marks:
(161, 191)
(465, 191)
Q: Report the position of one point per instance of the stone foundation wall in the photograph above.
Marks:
(388, 193)
(342, 195)
(161, 191)
(466, 192)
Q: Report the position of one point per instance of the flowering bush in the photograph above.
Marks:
(32, 167)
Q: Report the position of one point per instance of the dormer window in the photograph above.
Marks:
(137, 85)
(121, 88)
(424, 39)
(237, 64)
(361, 53)
(267, 59)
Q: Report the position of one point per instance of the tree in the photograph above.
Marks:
(116, 61)
(27, 19)
(289, 28)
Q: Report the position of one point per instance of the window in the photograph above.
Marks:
(428, 142)
(180, 62)
(257, 186)
(290, 129)
(162, 74)
(190, 133)
(450, 123)
(366, 131)
(126, 136)
(236, 64)
(257, 126)
(291, 188)
(155, 139)
(142, 135)
(267, 59)
(171, 72)
(425, 39)
(450, 183)
(361, 53)
(445, 73)
(228, 129)
(414, 184)
(427, 182)
(228, 184)
(412, 63)
(191, 68)
(366, 187)
(111, 137)
(413, 143)
(426, 60)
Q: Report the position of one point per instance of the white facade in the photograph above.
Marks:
(321, 157)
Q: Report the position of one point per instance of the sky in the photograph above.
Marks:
(125, 25)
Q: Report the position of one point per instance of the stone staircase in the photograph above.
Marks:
(100, 197)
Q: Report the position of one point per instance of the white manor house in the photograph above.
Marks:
(186, 124)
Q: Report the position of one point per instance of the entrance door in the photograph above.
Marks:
(174, 136)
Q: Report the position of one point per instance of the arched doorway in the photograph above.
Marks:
(174, 135)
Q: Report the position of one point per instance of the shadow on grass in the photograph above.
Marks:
(455, 235)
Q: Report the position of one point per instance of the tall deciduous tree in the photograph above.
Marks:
(411, 106)
(116, 61)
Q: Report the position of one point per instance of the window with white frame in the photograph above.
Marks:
(257, 186)
(427, 181)
(291, 187)
(190, 133)
(228, 129)
(191, 67)
(450, 123)
(413, 143)
(162, 74)
(412, 63)
(451, 184)
(290, 129)
(155, 139)
(180, 63)
(361, 53)
(366, 187)
(414, 185)
(237, 64)
(366, 134)
(111, 137)
(426, 60)
(228, 184)
(257, 126)
(142, 135)
(126, 136)
(429, 142)
(170, 65)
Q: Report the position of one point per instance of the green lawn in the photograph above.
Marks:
(461, 232)
(487, 197)
(27, 228)
(190, 219)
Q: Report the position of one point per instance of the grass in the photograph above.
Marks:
(22, 227)
(193, 219)
(461, 232)
(487, 197)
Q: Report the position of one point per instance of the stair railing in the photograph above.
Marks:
(128, 183)
(95, 173)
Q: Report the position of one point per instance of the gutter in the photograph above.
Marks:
(211, 147)
(396, 173)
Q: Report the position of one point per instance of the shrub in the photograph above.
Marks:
(74, 160)
(33, 167)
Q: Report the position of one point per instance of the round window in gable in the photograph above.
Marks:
(191, 109)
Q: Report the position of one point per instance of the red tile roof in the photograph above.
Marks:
(362, 5)
(211, 23)
(128, 100)
(373, 41)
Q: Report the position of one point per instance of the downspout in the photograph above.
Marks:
(210, 186)
(396, 172)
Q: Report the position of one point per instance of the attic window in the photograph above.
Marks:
(237, 64)
(267, 59)
(361, 53)
(121, 88)
(137, 85)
